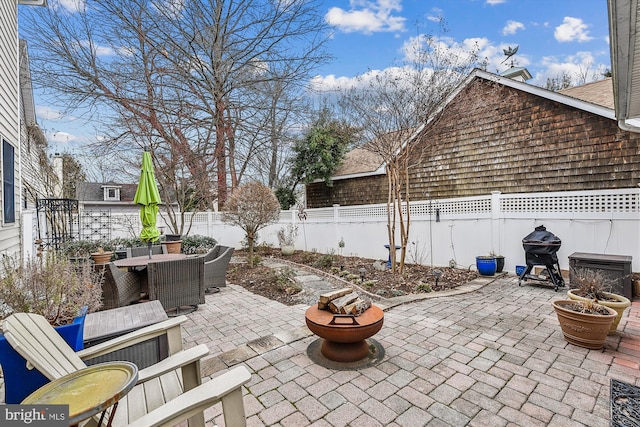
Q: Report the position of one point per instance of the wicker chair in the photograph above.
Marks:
(144, 250)
(177, 284)
(215, 268)
(119, 288)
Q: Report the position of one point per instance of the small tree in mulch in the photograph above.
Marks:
(251, 207)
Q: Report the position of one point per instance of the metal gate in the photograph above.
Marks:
(57, 222)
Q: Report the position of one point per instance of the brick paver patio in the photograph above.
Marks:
(491, 357)
(494, 356)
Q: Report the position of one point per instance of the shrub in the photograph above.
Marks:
(284, 279)
(324, 261)
(50, 285)
(197, 244)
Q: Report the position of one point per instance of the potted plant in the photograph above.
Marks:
(486, 265)
(591, 285)
(287, 239)
(499, 262)
(58, 289)
(584, 323)
(101, 257)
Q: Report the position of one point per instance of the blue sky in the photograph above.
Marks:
(553, 36)
(369, 37)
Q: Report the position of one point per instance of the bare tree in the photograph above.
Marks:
(179, 78)
(251, 207)
(390, 107)
(559, 82)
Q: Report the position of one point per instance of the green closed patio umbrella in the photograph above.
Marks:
(148, 197)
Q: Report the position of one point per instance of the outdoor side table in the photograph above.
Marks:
(105, 325)
(88, 391)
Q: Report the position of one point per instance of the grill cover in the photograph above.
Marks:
(541, 242)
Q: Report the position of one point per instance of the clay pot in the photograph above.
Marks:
(173, 247)
(620, 305)
(101, 258)
(583, 329)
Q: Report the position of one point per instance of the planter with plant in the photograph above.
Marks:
(592, 285)
(499, 262)
(584, 323)
(287, 239)
(486, 265)
(101, 256)
(56, 288)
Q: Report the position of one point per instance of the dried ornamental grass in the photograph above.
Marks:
(51, 286)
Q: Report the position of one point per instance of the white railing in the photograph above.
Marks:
(604, 221)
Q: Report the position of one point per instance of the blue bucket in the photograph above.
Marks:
(520, 269)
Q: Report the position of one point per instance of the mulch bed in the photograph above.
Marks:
(378, 279)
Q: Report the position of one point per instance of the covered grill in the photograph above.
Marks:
(540, 248)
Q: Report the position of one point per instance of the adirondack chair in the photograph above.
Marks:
(168, 392)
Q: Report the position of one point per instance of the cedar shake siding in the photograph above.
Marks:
(494, 137)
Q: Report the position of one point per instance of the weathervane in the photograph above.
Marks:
(509, 52)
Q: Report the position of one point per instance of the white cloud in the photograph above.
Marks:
(367, 16)
(436, 15)
(447, 48)
(572, 29)
(69, 6)
(512, 27)
(494, 2)
(60, 137)
(48, 113)
(580, 66)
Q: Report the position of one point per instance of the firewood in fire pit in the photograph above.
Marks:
(337, 305)
(357, 307)
(325, 299)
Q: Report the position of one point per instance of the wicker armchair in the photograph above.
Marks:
(215, 267)
(177, 284)
(144, 250)
(119, 288)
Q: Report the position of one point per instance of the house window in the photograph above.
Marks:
(8, 182)
(112, 194)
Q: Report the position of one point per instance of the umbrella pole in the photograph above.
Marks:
(149, 250)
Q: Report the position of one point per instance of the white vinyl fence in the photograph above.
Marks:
(603, 221)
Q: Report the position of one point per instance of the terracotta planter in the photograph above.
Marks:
(620, 305)
(174, 246)
(582, 329)
(101, 258)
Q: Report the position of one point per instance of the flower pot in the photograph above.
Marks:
(619, 305)
(287, 249)
(583, 329)
(19, 382)
(486, 265)
(101, 258)
(499, 263)
(173, 246)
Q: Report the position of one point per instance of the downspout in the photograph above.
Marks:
(622, 124)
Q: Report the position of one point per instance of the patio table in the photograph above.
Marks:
(142, 261)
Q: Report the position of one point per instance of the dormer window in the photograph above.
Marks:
(111, 193)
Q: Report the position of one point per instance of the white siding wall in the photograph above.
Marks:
(9, 112)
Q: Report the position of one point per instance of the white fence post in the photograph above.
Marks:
(496, 215)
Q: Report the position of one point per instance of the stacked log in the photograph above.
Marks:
(344, 301)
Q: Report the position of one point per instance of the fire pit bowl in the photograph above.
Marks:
(344, 336)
